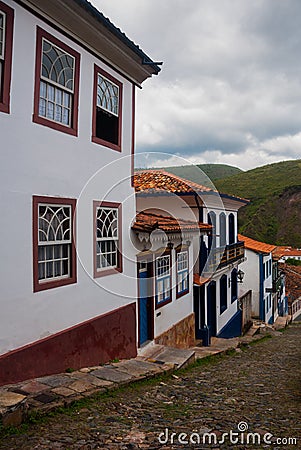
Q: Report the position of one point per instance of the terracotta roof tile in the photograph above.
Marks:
(292, 281)
(286, 251)
(256, 246)
(162, 181)
(147, 222)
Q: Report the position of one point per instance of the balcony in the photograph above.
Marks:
(223, 256)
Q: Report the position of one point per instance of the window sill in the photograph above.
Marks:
(181, 294)
(54, 125)
(4, 108)
(162, 303)
(99, 141)
(45, 285)
(105, 272)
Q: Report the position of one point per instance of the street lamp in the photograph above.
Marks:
(240, 276)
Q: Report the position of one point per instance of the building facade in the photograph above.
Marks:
(263, 278)
(216, 255)
(67, 111)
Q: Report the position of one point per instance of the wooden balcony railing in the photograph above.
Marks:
(223, 256)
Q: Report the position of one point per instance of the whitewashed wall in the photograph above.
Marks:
(251, 279)
(37, 160)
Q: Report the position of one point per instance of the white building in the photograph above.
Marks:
(215, 259)
(67, 105)
(286, 253)
(258, 269)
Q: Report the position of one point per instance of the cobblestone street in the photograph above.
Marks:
(254, 389)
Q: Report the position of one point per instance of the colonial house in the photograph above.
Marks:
(211, 257)
(67, 106)
(264, 278)
(285, 253)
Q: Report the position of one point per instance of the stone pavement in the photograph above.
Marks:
(50, 392)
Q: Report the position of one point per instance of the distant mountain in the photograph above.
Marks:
(274, 214)
(212, 171)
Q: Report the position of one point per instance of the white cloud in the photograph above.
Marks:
(230, 87)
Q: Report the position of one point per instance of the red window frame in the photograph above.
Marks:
(38, 286)
(73, 129)
(109, 270)
(96, 139)
(8, 52)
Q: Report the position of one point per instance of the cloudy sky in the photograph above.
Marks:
(230, 86)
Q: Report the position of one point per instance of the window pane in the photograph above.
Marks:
(54, 222)
(107, 95)
(41, 271)
(2, 31)
(55, 104)
(57, 65)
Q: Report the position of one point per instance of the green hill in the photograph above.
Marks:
(274, 214)
(212, 171)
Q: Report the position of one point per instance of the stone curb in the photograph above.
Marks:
(45, 394)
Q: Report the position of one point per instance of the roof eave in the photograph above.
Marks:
(91, 29)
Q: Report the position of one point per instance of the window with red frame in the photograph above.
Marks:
(107, 110)
(54, 250)
(56, 88)
(6, 39)
(107, 245)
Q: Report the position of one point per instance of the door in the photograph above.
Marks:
(211, 308)
(145, 305)
(199, 310)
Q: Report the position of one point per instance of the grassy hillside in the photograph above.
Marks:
(274, 214)
(212, 171)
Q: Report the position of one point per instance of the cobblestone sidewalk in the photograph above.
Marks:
(257, 388)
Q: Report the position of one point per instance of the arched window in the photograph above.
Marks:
(223, 293)
(212, 238)
(233, 285)
(222, 229)
(231, 229)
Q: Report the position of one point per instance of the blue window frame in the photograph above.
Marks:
(163, 279)
(182, 273)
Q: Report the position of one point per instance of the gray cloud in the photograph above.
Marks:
(230, 86)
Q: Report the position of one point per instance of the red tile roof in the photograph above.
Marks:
(286, 251)
(162, 181)
(148, 222)
(256, 246)
(292, 281)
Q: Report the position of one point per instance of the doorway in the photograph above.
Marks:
(145, 303)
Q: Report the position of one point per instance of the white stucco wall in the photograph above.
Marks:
(37, 160)
(251, 280)
(179, 308)
(177, 207)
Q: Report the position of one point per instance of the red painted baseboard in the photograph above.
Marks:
(94, 342)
